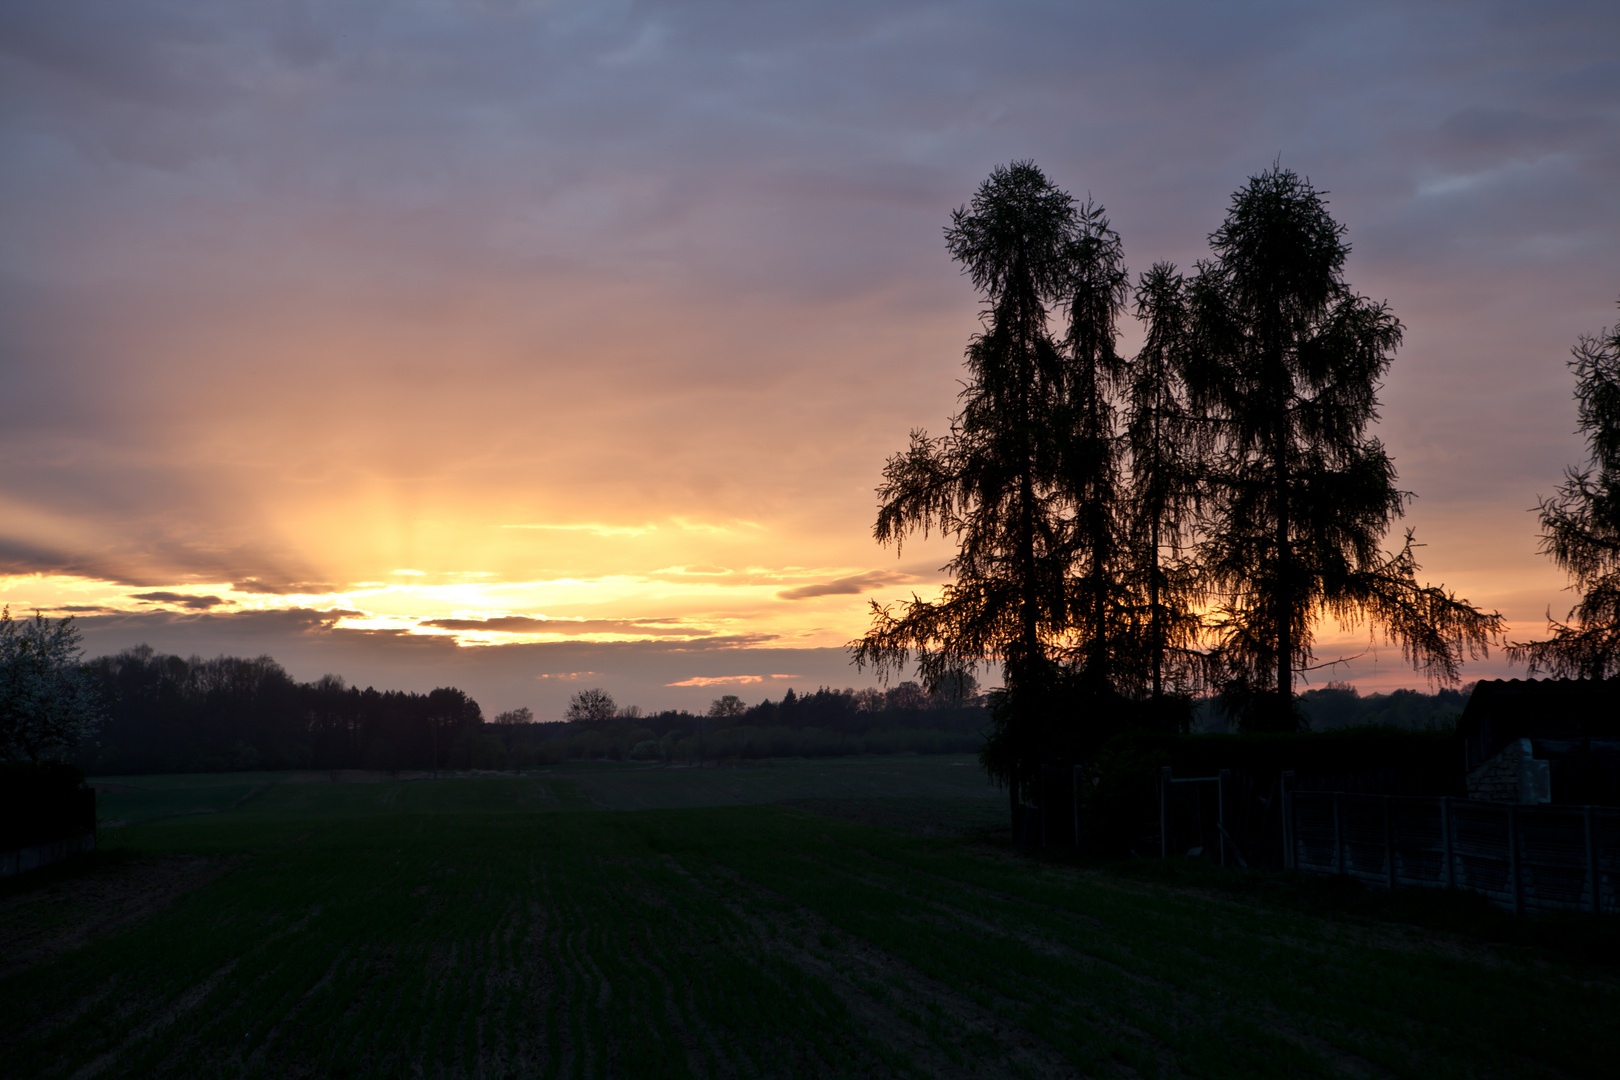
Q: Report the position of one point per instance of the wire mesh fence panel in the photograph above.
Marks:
(1420, 844)
(1480, 849)
(1315, 836)
(1363, 827)
(1606, 853)
(1552, 858)
(1535, 858)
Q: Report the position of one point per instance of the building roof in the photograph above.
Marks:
(1500, 710)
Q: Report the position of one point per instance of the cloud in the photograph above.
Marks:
(728, 680)
(200, 603)
(719, 680)
(845, 586)
(523, 624)
(254, 586)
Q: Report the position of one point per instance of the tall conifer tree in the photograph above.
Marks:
(1168, 450)
(1092, 464)
(1287, 364)
(1580, 527)
(996, 482)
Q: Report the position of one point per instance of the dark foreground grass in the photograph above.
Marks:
(497, 928)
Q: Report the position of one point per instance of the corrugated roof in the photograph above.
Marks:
(1504, 709)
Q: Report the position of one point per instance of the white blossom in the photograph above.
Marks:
(48, 702)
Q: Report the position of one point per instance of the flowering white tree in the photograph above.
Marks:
(47, 701)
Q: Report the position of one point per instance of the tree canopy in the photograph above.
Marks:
(1098, 503)
(593, 706)
(1285, 364)
(1025, 478)
(47, 702)
(1580, 526)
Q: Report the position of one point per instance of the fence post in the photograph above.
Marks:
(1075, 783)
(1389, 840)
(1164, 812)
(1222, 837)
(1513, 858)
(1338, 837)
(1041, 790)
(1591, 862)
(1287, 785)
(1445, 841)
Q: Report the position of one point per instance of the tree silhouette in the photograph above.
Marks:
(1169, 451)
(592, 706)
(1286, 363)
(1092, 465)
(727, 707)
(997, 482)
(1580, 527)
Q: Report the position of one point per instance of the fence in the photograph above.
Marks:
(1535, 858)
(1221, 815)
(46, 814)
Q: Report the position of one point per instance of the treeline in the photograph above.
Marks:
(165, 713)
(172, 714)
(1138, 533)
(826, 723)
(1340, 705)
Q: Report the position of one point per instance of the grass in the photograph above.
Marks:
(943, 778)
(510, 927)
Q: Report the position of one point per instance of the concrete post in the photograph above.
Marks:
(1445, 841)
(1287, 785)
(1338, 837)
(1079, 777)
(1592, 863)
(1164, 812)
(1389, 840)
(1513, 859)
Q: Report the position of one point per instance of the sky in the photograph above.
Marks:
(526, 347)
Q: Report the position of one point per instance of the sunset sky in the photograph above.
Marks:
(527, 347)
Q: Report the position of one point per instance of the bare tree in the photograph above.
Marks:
(593, 706)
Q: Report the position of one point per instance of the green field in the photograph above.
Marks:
(618, 921)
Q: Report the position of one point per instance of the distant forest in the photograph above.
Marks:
(172, 714)
(1340, 705)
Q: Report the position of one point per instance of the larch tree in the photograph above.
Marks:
(1580, 527)
(1286, 362)
(1099, 604)
(1168, 451)
(996, 482)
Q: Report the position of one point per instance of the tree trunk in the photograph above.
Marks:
(1285, 570)
(1155, 630)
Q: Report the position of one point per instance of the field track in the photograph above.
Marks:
(509, 927)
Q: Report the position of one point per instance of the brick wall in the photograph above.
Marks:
(1514, 775)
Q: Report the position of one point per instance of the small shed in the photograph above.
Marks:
(1571, 725)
